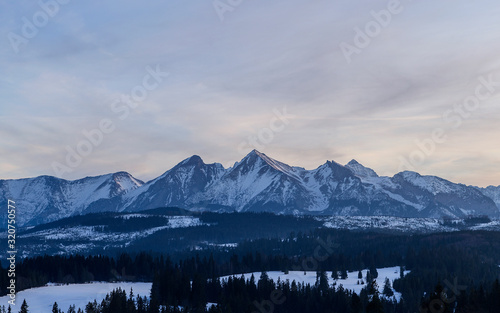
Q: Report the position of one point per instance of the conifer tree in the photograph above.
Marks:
(387, 288)
(343, 274)
(335, 274)
(323, 282)
(375, 306)
(356, 305)
(24, 307)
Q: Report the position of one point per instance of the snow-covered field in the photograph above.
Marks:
(183, 221)
(403, 224)
(351, 283)
(40, 300)
(390, 223)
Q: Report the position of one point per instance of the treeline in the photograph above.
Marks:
(38, 271)
(235, 294)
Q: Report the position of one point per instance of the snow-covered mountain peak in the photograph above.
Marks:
(124, 175)
(126, 182)
(196, 162)
(409, 175)
(193, 160)
(360, 170)
(433, 184)
(258, 159)
(108, 185)
(184, 167)
(274, 163)
(338, 170)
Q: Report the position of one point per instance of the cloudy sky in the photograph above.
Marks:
(89, 87)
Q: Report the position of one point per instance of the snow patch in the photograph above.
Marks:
(351, 283)
(41, 300)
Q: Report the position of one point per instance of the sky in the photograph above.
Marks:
(94, 87)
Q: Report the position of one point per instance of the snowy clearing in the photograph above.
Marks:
(40, 300)
(351, 283)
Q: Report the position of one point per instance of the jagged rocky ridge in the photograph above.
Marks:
(256, 183)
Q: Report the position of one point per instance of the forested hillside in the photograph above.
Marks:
(442, 262)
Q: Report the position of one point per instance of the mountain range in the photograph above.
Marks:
(257, 183)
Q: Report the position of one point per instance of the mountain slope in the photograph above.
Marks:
(48, 198)
(175, 187)
(492, 192)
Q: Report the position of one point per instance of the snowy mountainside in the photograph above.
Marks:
(256, 183)
(175, 187)
(360, 170)
(47, 198)
(493, 192)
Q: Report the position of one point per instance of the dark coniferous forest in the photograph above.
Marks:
(449, 272)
